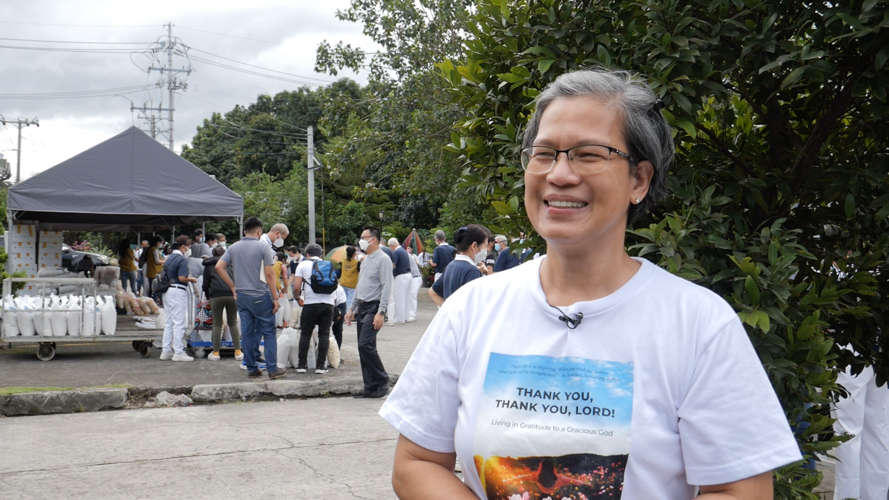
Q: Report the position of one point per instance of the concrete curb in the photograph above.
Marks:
(49, 402)
(207, 393)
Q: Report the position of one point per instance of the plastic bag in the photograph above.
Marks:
(152, 305)
(25, 316)
(295, 311)
(10, 323)
(284, 350)
(294, 346)
(109, 317)
(58, 319)
(89, 317)
(73, 316)
(284, 309)
(333, 353)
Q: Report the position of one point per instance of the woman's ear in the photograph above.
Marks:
(642, 175)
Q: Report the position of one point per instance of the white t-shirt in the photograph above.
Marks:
(304, 271)
(657, 389)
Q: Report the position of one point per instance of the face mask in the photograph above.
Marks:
(279, 242)
(200, 240)
(480, 256)
(496, 247)
(363, 244)
(221, 244)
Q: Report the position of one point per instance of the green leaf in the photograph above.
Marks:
(502, 208)
(793, 77)
(881, 57)
(544, 65)
(687, 126)
(752, 290)
(850, 206)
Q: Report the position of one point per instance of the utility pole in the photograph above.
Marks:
(171, 82)
(310, 142)
(18, 122)
(151, 119)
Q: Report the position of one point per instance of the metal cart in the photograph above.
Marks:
(126, 329)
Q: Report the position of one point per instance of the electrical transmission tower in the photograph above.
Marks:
(19, 122)
(173, 83)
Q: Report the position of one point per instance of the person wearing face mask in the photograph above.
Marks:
(469, 241)
(276, 236)
(199, 248)
(220, 240)
(491, 256)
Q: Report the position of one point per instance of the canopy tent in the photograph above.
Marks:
(130, 182)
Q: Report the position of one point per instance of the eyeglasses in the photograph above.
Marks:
(585, 159)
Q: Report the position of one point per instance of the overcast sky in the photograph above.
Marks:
(273, 35)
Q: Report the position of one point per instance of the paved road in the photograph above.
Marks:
(334, 448)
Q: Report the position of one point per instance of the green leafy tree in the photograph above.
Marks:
(779, 191)
(394, 134)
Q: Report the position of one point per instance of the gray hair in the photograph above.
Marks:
(393, 241)
(646, 132)
(314, 250)
(500, 238)
(440, 235)
(280, 227)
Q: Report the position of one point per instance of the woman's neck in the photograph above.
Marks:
(570, 277)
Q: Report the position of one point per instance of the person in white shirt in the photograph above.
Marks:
(276, 236)
(588, 373)
(317, 310)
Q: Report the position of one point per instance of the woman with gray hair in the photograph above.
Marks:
(588, 373)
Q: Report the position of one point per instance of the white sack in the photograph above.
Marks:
(109, 317)
(58, 320)
(73, 316)
(89, 317)
(10, 323)
(333, 353)
(284, 358)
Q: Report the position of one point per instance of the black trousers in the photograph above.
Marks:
(372, 370)
(312, 315)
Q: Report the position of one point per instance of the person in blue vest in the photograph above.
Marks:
(467, 265)
(176, 302)
(505, 258)
(442, 255)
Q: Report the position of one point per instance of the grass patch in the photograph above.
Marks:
(5, 391)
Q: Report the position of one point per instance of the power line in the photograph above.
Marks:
(230, 36)
(77, 94)
(67, 41)
(83, 25)
(255, 73)
(121, 50)
(260, 67)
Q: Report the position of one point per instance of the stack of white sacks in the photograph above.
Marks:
(58, 316)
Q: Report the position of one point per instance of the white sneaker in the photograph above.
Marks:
(239, 357)
(181, 356)
(390, 323)
(411, 320)
(243, 365)
(166, 355)
(321, 370)
(213, 356)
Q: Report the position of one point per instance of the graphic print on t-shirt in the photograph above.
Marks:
(553, 428)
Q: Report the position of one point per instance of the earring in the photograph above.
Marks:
(638, 201)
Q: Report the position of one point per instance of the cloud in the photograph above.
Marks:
(280, 35)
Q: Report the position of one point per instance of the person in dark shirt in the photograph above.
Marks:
(505, 259)
(469, 241)
(442, 255)
(401, 272)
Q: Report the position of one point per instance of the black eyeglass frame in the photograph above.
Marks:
(567, 153)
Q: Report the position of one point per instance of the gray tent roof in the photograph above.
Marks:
(130, 182)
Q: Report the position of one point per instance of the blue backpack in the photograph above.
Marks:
(323, 277)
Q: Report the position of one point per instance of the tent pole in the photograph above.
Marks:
(7, 238)
(241, 222)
